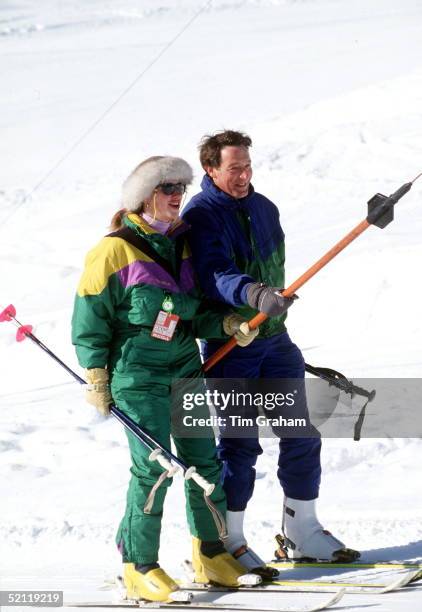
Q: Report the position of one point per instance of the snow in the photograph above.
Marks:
(331, 93)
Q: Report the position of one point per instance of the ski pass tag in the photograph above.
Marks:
(165, 326)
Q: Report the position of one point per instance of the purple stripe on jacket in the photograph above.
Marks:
(151, 273)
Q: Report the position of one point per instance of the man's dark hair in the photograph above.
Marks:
(210, 146)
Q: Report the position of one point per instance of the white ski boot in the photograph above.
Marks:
(237, 545)
(306, 538)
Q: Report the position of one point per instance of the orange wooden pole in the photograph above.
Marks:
(289, 291)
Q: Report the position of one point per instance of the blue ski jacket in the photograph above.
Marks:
(234, 243)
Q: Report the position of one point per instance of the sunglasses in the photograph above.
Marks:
(171, 188)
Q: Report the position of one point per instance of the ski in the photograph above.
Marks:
(400, 579)
(398, 582)
(289, 564)
(311, 586)
(331, 601)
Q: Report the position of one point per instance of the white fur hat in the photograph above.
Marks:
(142, 181)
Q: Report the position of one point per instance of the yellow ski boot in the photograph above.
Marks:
(154, 585)
(212, 564)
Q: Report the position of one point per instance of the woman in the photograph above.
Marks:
(133, 279)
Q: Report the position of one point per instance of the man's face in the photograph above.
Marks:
(235, 172)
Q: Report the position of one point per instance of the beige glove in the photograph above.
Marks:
(237, 326)
(98, 390)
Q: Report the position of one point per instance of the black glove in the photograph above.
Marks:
(268, 299)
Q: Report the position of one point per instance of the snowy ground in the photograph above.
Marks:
(331, 93)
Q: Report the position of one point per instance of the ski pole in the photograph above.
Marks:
(380, 214)
(159, 452)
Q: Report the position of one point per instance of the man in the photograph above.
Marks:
(238, 252)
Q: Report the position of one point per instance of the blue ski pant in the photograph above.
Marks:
(299, 466)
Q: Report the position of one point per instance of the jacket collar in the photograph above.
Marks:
(178, 227)
(224, 199)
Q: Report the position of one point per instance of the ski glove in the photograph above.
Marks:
(237, 326)
(98, 390)
(268, 299)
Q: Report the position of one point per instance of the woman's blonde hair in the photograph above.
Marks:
(116, 222)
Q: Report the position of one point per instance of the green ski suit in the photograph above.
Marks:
(119, 296)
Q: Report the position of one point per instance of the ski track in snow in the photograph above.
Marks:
(321, 152)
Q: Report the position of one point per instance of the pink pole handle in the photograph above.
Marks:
(8, 313)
